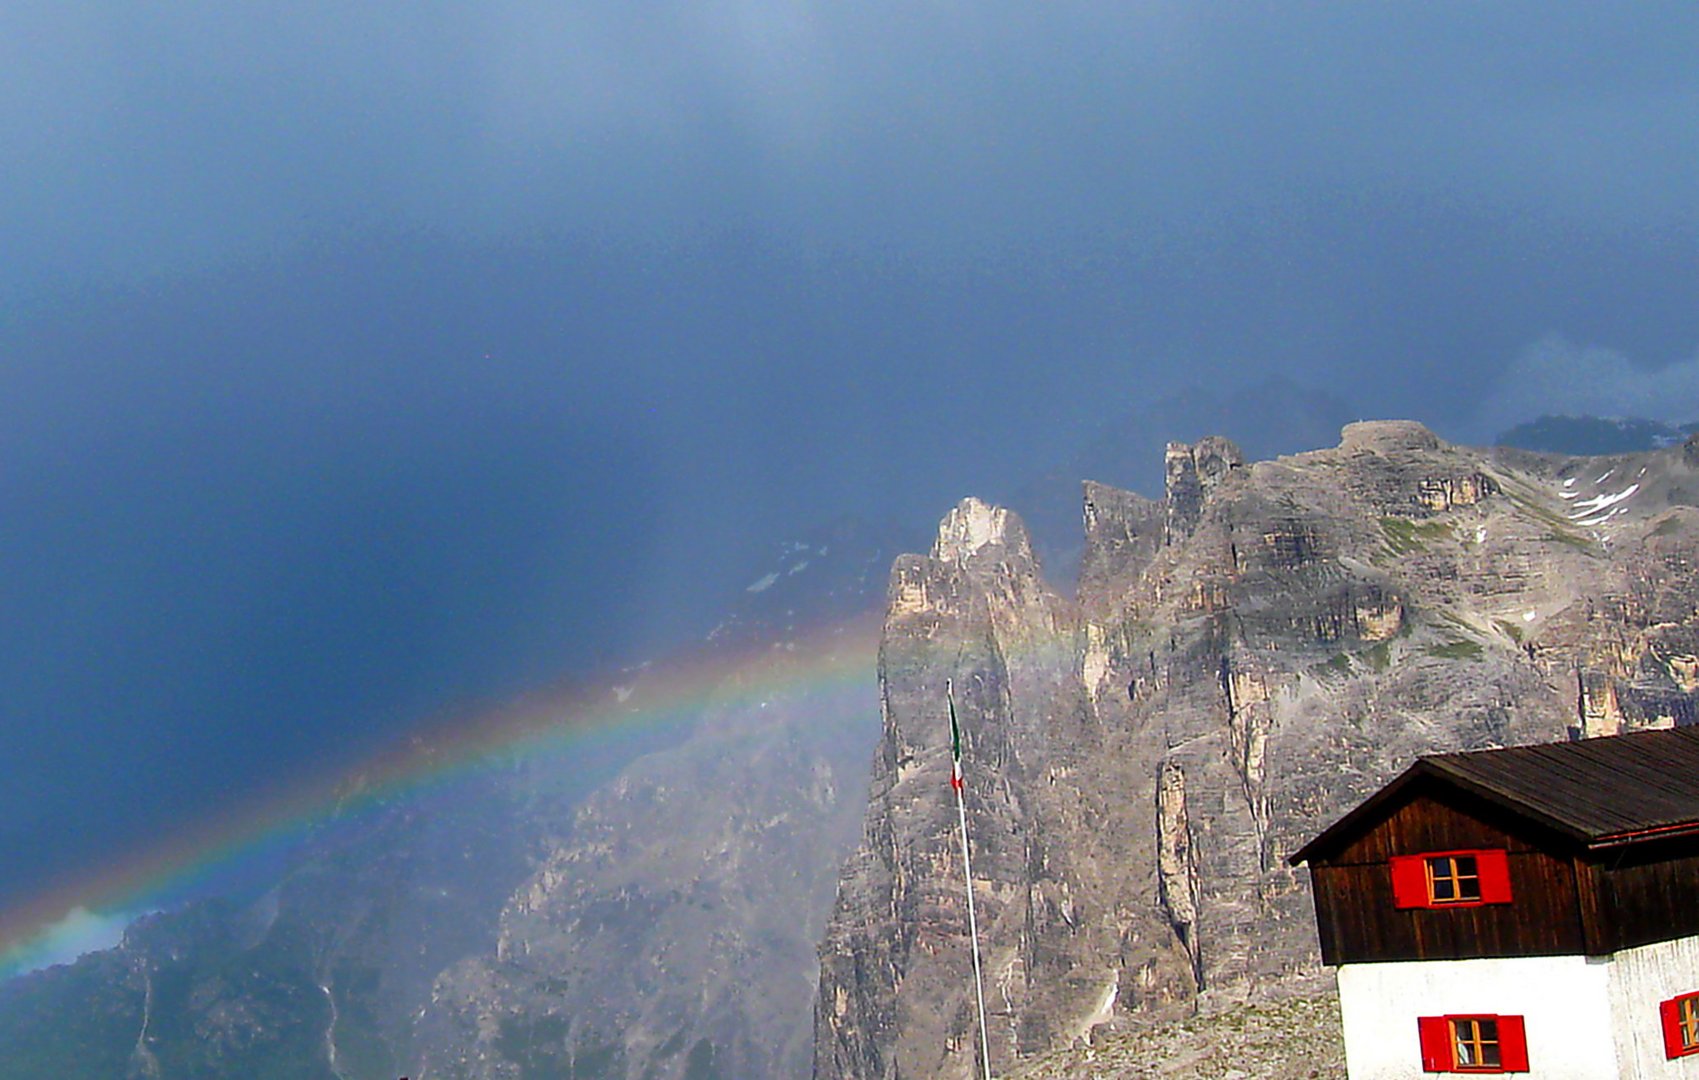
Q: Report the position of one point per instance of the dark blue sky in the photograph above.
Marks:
(356, 361)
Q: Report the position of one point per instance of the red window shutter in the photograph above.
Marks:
(1436, 1043)
(1409, 881)
(1670, 1013)
(1512, 1041)
(1494, 868)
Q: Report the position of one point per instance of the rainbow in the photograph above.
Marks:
(671, 694)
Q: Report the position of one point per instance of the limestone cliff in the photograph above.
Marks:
(1245, 659)
(975, 610)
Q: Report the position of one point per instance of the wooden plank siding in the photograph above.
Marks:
(1597, 935)
(1601, 840)
(1359, 921)
(1648, 893)
(1438, 818)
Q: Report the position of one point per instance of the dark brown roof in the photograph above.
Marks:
(1600, 792)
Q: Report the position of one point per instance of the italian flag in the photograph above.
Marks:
(955, 743)
(967, 873)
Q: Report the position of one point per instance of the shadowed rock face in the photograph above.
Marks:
(670, 932)
(1193, 473)
(1244, 661)
(532, 921)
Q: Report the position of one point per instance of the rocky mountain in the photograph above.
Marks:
(1292, 1037)
(671, 933)
(1244, 659)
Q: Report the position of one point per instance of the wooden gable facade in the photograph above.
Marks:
(1590, 861)
(1360, 920)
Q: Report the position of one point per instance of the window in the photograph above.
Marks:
(1680, 1018)
(1453, 879)
(1473, 1044)
(1437, 879)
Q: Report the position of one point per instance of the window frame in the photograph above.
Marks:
(1439, 1043)
(1454, 878)
(1679, 1018)
(1413, 878)
(1475, 1043)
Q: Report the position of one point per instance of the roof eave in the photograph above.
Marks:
(1673, 831)
(1431, 767)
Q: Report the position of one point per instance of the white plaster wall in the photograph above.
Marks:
(1639, 979)
(1564, 1001)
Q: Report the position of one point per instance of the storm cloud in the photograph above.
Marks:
(359, 361)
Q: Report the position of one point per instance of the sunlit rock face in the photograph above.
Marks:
(1245, 659)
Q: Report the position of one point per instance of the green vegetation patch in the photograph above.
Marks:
(1559, 528)
(537, 1046)
(603, 1062)
(1335, 667)
(1378, 657)
(1405, 537)
(1457, 650)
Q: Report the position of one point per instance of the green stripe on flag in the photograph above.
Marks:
(955, 730)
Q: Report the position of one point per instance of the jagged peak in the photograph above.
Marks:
(1095, 493)
(1216, 456)
(1210, 459)
(974, 525)
(1192, 473)
(1380, 436)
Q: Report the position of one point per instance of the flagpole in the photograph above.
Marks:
(967, 872)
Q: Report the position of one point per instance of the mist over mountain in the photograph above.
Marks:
(486, 914)
(363, 367)
(1593, 435)
(377, 381)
